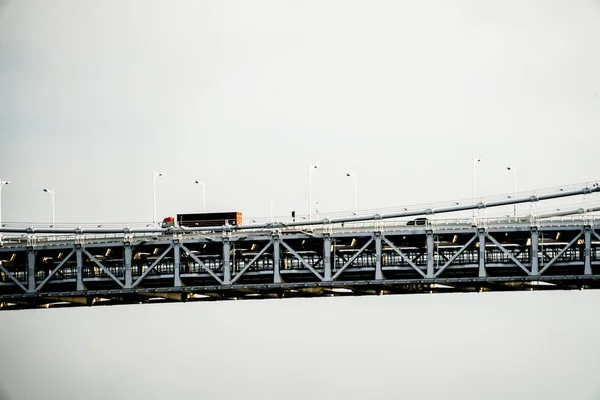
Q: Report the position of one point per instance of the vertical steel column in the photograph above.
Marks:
(430, 244)
(378, 270)
(587, 232)
(30, 270)
(327, 257)
(535, 267)
(79, 258)
(276, 259)
(127, 265)
(176, 264)
(482, 271)
(226, 266)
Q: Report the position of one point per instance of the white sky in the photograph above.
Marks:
(96, 95)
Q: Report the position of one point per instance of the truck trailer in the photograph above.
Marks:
(204, 219)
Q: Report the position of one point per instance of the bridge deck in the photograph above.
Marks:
(359, 259)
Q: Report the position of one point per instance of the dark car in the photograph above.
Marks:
(418, 221)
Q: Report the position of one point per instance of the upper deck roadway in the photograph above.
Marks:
(352, 256)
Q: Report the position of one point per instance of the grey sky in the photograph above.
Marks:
(95, 95)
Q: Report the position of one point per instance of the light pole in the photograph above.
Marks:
(355, 193)
(475, 161)
(51, 193)
(514, 173)
(155, 175)
(203, 184)
(310, 171)
(2, 183)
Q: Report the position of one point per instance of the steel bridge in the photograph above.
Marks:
(325, 258)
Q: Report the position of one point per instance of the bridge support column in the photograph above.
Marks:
(535, 266)
(378, 270)
(79, 258)
(430, 244)
(276, 259)
(482, 271)
(176, 264)
(327, 257)
(31, 270)
(226, 263)
(587, 234)
(127, 265)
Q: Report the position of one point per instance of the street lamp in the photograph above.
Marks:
(2, 183)
(355, 193)
(310, 171)
(475, 161)
(51, 193)
(514, 173)
(203, 184)
(155, 175)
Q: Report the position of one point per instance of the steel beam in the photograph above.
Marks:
(430, 244)
(327, 257)
(254, 259)
(276, 259)
(103, 268)
(404, 257)
(154, 264)
(560, 253)
(127, 265)
(176, 264)
(534, 251)
(455, 255)
(54, 271)
(31, 270)
(79, 258)
(302, 260)
(12, 278)
(339, 271)
(204, 267)
(508, 253)
(482, 270)
(587, 231)
(378, 256)
(226, 263)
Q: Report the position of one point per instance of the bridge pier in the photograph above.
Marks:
(378, 269)
(587, 232)
(226, 262)
(31, 270)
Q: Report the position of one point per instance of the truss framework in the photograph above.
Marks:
(290, 264)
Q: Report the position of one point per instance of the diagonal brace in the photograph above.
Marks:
(260, 253)
(458, 253)
(560, 253)
(338, 273)
(302, 260)
(11, 276)
(103, 268)
(403, 256)
(204, 267)
(508, 253)
(54, 271)
(595, 234)
(154, 264)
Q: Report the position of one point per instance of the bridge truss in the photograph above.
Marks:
(326, 260)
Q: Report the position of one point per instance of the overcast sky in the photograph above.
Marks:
(94, 96)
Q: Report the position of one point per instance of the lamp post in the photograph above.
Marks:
(310, 172)
(155, 175)
(203, 184)
(475, 161)
(514, 173)
(355, 193)
(2, 183)
(51, 193)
